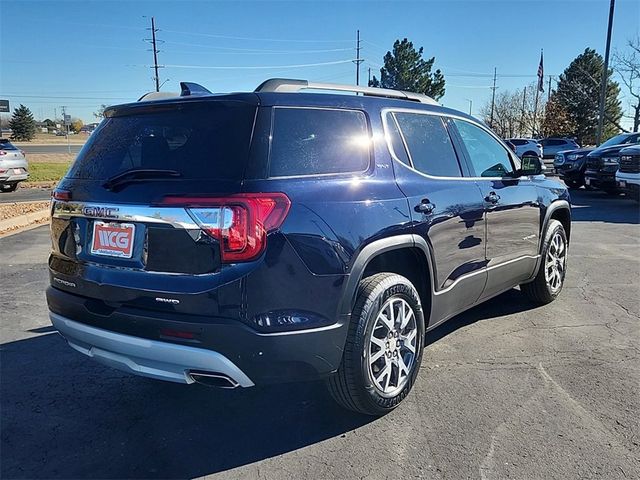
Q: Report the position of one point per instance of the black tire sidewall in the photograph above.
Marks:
(400, 287)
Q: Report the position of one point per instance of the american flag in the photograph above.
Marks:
(541, 75)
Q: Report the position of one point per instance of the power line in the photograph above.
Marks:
(233, 37)
(259, 67)
(258, 50)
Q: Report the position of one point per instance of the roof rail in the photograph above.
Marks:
(291, 85)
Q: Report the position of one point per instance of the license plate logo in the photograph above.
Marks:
(622, 184)
(113, 239)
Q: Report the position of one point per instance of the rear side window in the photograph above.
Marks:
(203, 140)
(429, 144)
(517, 141)
(313, 141)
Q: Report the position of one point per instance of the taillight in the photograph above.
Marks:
(239, 222)
(64, 195)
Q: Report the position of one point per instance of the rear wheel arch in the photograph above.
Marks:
(400, 254)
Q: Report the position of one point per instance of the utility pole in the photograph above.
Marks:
(470, 104)
(153, 41)
(493, 96)
(369, 82)
(549, 90)
(524, 100)
(605, 74)
(66, 126)
(358, 60)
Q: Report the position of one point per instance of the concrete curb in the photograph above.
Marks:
(24, 222)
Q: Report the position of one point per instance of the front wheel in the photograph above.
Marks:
(549, 280)
(384, 345)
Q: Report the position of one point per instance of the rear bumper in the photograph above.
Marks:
(149, 358)
(13, 178)
(261, 357)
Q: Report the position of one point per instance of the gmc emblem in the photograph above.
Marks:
(100, 212)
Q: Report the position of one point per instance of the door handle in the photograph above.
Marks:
(493, 197)
(425, 206)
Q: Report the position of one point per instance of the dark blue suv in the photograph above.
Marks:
(247, 238)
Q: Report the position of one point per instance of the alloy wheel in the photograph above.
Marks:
(391, 353)
(555, 262)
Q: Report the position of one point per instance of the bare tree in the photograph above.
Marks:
(627, 66)
(513, 113)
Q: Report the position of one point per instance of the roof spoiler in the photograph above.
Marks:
(187, 89)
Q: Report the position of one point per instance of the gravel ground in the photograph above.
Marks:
(506, 390)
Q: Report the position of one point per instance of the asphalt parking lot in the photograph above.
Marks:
(506, 390)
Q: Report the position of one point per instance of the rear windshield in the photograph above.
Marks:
(204, 140)
(6, 145)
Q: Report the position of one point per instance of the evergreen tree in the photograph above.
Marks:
(578, 95)
(22, 124)
(405, 69)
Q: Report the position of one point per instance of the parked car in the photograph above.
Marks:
(249, 238)
(527, 146)
(602, 162)
(13, 166)
(628, 174)
(570, 166)
(551, 146)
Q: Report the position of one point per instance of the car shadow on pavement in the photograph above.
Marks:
(64, 416)
(508, 303)
(597, 206)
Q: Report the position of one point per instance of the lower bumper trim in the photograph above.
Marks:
(149, 358)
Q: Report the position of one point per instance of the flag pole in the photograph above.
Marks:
(539, 88)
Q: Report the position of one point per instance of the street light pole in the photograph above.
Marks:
(605, 75)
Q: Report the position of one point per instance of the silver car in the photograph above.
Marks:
(13, 166)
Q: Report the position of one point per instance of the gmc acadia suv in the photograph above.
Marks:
(247, 238)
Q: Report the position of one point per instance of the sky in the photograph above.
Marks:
(82, 54)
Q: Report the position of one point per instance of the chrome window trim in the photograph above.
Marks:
(391, 110)
(177, 217)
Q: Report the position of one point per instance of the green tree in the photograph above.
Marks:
(405, 69)
(22, 124)
(578, 93)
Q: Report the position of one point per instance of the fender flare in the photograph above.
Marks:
(371, 251)
(554, 206)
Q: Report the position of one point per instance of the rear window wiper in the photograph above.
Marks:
(139, 174)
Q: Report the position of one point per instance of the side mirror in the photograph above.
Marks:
(531, 165)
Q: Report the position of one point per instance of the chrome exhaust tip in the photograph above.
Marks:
(213, 379)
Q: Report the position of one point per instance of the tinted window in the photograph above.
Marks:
(205, 140)
(488, 157)
(396, 140)
(518, 141)
(310, 141)
(429, 144)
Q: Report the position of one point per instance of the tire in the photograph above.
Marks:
(574, 184)
(9, 187)
(354, 385)
(547, 284)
